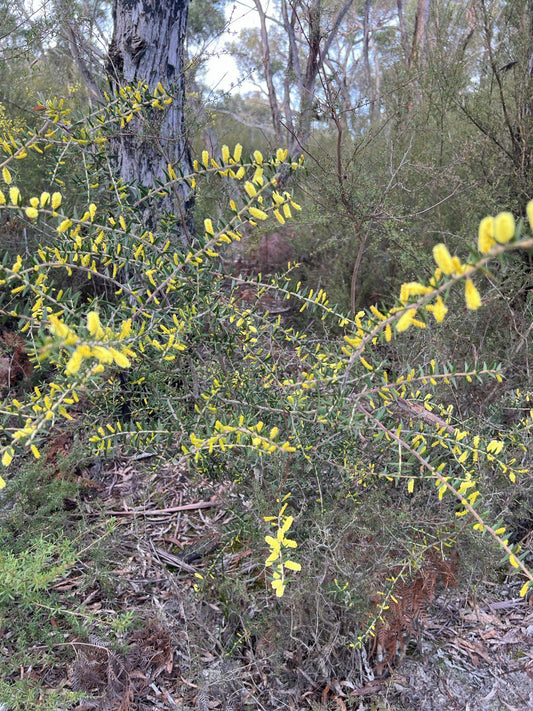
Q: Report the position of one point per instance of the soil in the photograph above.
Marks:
(188, 649)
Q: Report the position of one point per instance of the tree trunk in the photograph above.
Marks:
(419, 35)
(148, 45)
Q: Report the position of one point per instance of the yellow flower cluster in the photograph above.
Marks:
(98, 347)
(498, 230)
(277, 545)
(495, 230)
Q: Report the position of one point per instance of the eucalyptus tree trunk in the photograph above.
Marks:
(148, 45)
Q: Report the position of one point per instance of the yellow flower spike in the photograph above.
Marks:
(225, 154)
(32, 213)
(458, 266)
(237, 153)
(292, 565)
(14, 195)
(104, 355)
(92, 210)
(413, 288)
(523, 590)
(485, 241)
(513, 561)
(74, 362)
(7, 456)
(472, 297)
(205, 159)
(2, 198)
(279, 217)
(6, 175)
(56, 200)
(504, 227)
(44, 199)
(64, 225)
(405, 320)
(258, 214)
(93, 323)
(286, 524)
(281, 154)
(258, 157)
(2, 483)
(120, 359)
(125, 329)
(529, 213)
(34, 202)
(279, 587)
(443, 258)
(208, 226)
(439, 310)
(250, 189)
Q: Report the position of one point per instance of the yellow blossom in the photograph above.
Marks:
(2, 198)
(413, 288)
(58, 328)
(237, 153)
(250, 189)
(74, 362)
(32, 213)
(125, 329)
(486, 240)
(2, 483)
(104, 355)
(64, 225)
(529, 212)
(438, 309)
(523, 590)
(292, 565)
(405, 320)
(279, 587)
(56, 200)
(208, 226)
(119, 358)
(6, 176)
(45, 199)
(258, 214)
(443, 258)
(472, 297)
(93, 324)
(225, 153)
(258, 157)
(513, 561)
(504, 227)
(14, 195)
(7, 456)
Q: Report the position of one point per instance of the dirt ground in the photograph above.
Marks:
(189, 651)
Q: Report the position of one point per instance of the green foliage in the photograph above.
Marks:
(171, 356)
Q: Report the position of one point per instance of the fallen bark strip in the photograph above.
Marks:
(172, 509)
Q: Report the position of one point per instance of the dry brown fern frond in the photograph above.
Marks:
(407, 604)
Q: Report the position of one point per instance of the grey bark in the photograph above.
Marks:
(148, 45)
(420, 32)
